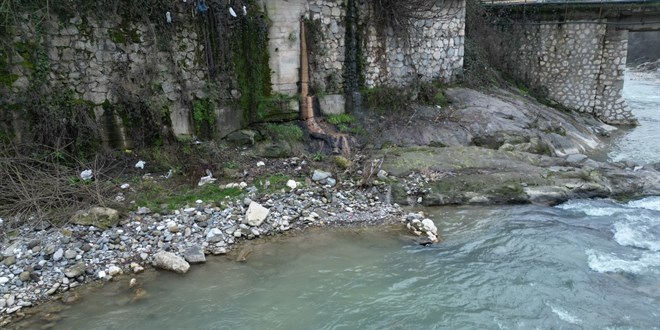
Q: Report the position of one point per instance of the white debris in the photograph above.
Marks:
(260, 164)
(244, 10)
(140, 164)
(168, 17)
(102, 274)
(169, 174)
(125, 186)
(86, 175)
(292, 184)
(206, 179)
(232, 12)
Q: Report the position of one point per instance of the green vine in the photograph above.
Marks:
(203, 118)
(250, 57)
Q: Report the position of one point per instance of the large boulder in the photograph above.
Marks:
(256, 214)
(101, 217)
(194, 255)
(170, 261)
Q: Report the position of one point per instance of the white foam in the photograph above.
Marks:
(649, 203)
(604, 263)
(601, 208)
(636, 235)
(565, 316)
(589, 208)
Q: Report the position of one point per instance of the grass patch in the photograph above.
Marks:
(341, 119)
(272, 183)
(432, 94)
(347, 124)
(155, 195)
(287, 132)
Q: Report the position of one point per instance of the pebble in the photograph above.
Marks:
(24, 276)
(114, 271)
(9, 261)
(64, 258)
(70, 254)
(57, 256)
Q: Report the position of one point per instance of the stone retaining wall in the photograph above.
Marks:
(433, 53)
(166, 66)
(578, 64)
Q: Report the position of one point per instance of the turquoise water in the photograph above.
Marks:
(640, 144)
(584, 264)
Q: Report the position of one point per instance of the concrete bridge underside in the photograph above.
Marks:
(576, 55)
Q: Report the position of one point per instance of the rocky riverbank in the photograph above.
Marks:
(39, 265)
(494, 148)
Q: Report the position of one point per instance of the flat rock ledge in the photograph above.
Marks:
(472, 175)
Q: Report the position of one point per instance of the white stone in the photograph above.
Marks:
(214, 235)
(429, 225)
(114, 271)
(256, 214)
(319, 175)
(291, 184)
(4, 280)
(170, 261)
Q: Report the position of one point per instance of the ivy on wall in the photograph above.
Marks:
(250, 58)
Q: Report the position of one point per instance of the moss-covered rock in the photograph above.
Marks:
(101, 217)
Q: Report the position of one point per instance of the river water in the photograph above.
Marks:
(592, 264)
(641, 144)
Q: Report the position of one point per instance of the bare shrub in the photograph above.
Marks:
(44, 185)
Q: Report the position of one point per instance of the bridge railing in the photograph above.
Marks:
(573, 2)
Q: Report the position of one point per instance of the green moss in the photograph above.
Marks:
(124, 34)
(387, 99)
(276, 108)
(117, 36)
(6, 77)
(250, 59)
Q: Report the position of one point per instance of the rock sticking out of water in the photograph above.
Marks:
(170, 261)
(194, 255)
(421, 226)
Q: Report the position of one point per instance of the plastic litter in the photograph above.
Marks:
(202, 7)
(86, 175)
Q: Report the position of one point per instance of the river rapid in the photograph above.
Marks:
(585, 264)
